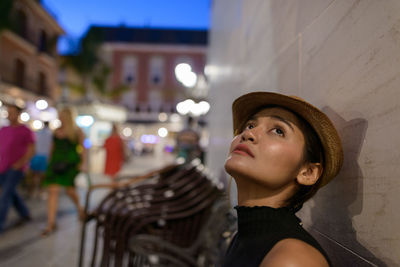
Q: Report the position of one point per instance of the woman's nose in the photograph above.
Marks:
(249, 135)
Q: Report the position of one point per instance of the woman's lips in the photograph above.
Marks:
(243, 150)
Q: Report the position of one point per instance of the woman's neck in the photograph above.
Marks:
(252, 194)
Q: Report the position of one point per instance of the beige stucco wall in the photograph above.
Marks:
(343, 56)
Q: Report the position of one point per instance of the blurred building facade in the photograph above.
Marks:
(144, 61)
(28, 65)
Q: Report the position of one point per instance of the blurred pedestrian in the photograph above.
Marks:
(188, 142)
(67, 159)
(17, 146)
(38, 165)
(114, 147)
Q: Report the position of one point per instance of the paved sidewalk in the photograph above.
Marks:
(24, 247)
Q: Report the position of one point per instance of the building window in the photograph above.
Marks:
(156, 73)
(129, 71)
(43, 41)
(19, 73)
(21, 26)
(42, 84)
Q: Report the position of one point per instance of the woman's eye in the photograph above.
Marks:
(278, 131)
(250, 126)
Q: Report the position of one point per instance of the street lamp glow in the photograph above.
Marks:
(37, 124)
(182, 108)
(162, 132)
(205, 106)
(55, 124)
(185, 107)
(196, 110)
(127, 131)
(41, 104)
(181, 69)
(189, 79)
(189, 106)
(185, 75)
(162, 116)
(25, 116)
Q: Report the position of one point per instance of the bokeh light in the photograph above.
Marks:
(162, 117)
(41, 104)
(162, 132)
(54, 124)
(127, 131)
(185, 75)
(25, 116)
(84, 120)
(37, 124)
(149, 139)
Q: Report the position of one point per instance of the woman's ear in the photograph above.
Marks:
(309, 173)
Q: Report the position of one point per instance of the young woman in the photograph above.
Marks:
(66, 161)
(283, 151)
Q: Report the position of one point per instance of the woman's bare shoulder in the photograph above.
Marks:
(294, 253)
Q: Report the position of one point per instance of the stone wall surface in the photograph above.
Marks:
(344, 57)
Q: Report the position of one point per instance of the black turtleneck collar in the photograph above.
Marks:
(261, 219)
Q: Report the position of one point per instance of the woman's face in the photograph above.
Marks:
(269, 150)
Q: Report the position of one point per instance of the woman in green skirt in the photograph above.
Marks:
(66, 161)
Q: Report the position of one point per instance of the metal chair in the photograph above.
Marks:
(205, 250)
(96, 214)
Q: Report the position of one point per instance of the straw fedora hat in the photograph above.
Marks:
(247, 105)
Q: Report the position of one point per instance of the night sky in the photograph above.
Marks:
(75, 16)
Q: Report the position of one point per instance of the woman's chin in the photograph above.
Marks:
(235, 167)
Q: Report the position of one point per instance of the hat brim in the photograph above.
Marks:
(247, 105)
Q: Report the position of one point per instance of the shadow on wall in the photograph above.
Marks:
(343, 200)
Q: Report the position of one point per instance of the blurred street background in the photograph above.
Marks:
(127, 64)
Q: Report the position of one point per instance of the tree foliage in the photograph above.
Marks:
(93, 72)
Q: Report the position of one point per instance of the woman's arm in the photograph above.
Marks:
(294, 253)
(81, 139)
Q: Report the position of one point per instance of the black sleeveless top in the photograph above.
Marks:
(259, 229)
